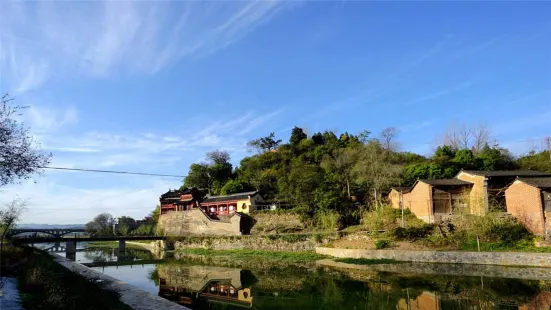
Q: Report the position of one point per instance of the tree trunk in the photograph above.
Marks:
(348, 187)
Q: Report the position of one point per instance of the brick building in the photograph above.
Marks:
(396, 196)
(489, 187)
(429, 200)
(529, 200)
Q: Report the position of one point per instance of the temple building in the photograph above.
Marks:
(229, 204)
(193, 198)
(180, 200)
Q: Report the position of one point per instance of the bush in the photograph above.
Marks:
(382, 244)
(412, 233)
(329, 220)
(383, 218)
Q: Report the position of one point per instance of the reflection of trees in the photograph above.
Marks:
(154, 276)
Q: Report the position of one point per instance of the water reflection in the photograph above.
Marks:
(208, 287)
(201, 286)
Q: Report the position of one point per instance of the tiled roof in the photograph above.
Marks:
(542, 183)
(238, 196)
(507, 173)
(446, 182)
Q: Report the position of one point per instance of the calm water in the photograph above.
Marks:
(200, 285)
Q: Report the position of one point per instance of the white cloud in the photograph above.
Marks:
(58, 39)
(48, 119)
(52, 202)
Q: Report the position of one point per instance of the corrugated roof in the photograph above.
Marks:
(237, 196)
(446, 182)
(507, 173)
(542, 183)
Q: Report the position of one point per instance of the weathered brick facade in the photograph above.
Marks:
(524, 202)
(419, 201)
(478, 196)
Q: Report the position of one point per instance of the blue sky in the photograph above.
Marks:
(152, 86)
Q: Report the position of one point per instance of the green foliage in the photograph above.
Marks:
(232, 187)
(382, 244)
(212, 175)
(102, 225)
(328, 220)
(265, 144)
(383, 218)
(258, 254)
(536, 161)
(297, 135)
(412, 233)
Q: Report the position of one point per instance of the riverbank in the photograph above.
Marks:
(444, 257)
(44, 284)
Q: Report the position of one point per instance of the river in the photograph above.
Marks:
(206, 283)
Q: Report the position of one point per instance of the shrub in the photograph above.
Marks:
(382, 244)
(412, 233)
(329, 220)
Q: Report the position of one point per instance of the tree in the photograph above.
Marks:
(342, 164)
(297, 135)
(102, 225)
(232, 187)
(9, 216)
(154, 215)
(198, 176)
(125, 225)
(265, 144)
(218, 157)
(19, 153)
(463, 136)
(375, 170)
(387, 136)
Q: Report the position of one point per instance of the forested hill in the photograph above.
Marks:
(328, 171)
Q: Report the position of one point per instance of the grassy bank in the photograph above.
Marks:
(44, 284)
(257, 255)
(115, 244)
(493, 232)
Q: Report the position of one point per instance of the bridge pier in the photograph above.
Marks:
(122, 246)
(71, 250)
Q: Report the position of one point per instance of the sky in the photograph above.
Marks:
(151, 86)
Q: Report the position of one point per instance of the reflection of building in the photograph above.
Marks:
(425, 301)
(197, 285)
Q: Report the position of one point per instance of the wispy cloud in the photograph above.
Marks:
(440, 93)
(111, 38)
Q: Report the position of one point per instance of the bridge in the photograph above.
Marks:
(71, 243)
(54, 232)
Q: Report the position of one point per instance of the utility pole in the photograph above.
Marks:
(548, 144)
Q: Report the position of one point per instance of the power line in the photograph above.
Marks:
(117, 172)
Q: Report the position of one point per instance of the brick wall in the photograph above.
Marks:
(419, 201)
(478, 196)
(394, 199)
(524, 203)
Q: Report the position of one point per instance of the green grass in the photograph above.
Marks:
(366, 261)
(526, 246)
(258, 254)
(111, 244)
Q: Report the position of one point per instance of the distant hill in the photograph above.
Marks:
(50, 226)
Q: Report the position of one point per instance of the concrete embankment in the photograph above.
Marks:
(134, 297)
(445, 257)
(490, 271)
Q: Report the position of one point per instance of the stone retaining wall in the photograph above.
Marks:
(449, 257)
(134, 297)
(491, 271)
(195, 222)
